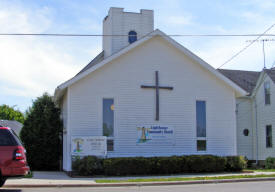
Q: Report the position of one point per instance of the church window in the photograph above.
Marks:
(267, 92)
(245, 132)
(132, 36)
(268, 136)
(201, 125)
(110, 145)
(201, 145)
(201, 118)
(108, 122)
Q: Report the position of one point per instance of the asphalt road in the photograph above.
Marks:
(266, 186)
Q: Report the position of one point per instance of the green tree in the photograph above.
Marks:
(9, 113)
(40, 134)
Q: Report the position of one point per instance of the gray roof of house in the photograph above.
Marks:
(95, 61)
(14, 125)
(245, 79)
(271, 73)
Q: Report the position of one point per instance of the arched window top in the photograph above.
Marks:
(132, 36)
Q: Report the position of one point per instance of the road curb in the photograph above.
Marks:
(140, 183)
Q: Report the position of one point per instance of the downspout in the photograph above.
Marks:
(256, 127)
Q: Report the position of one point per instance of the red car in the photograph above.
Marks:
(13, 162)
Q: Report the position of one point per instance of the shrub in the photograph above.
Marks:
(270, 163)
(127, 166)
(235, 163)
(41, 134)
(89, 165)
(206, 163)
(168, 165)
(157, 165)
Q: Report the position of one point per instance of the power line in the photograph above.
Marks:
(243, 49)
(100, 35)
(263, 42)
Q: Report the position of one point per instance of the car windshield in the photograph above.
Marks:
(16, 138)
(6, 138)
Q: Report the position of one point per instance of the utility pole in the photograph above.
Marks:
(263, 42)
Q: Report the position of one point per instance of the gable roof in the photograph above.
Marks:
(59, 91)
(248, 80)
(245, 79)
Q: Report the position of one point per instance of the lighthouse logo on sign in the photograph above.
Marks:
(78, 145)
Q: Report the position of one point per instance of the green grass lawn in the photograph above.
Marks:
(30, 175)
(260, 170)
(181, 178)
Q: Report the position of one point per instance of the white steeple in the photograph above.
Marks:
(117, 25)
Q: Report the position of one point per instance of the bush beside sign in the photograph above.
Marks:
(90, 165)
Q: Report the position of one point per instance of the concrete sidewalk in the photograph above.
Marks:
(60, 179)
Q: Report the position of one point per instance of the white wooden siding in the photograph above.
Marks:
(119, 22)
(265, 116)
(245, 121)
(121, 79)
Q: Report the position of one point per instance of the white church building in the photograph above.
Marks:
(148, 95)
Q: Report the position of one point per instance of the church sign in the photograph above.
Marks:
(85, 145)
(155, 134)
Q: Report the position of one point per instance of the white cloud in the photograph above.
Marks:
(31, 65)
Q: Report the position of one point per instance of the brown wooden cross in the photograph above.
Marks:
(157, 87)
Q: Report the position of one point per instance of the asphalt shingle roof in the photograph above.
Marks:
(271, 73)
(245, 79)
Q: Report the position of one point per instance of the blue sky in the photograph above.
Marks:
(33, 65)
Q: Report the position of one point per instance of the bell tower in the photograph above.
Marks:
(123, 28)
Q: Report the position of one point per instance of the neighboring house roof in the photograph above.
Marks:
(271, 73)
(245, 79)
(60, 90)
(14, 125)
